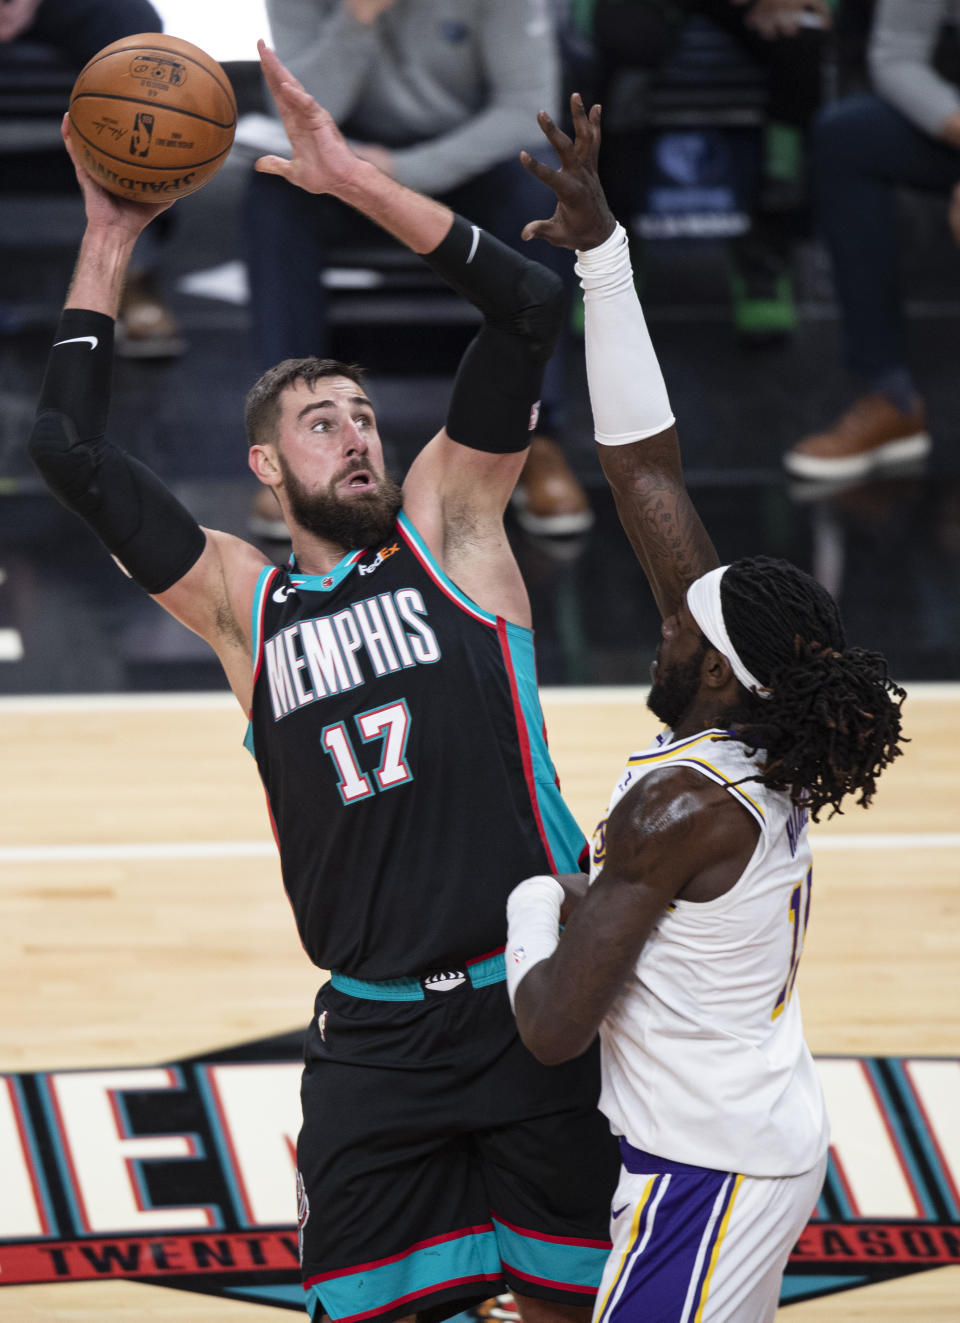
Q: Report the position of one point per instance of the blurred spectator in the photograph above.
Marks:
(442, 97)
(785, 38)
(866, 148)
(79, 29)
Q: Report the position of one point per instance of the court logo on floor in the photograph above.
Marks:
(185, 1175)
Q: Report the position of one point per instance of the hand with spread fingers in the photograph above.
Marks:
(322, 160)
(582, 218)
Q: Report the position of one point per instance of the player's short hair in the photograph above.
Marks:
(261, 408)
(832, 721)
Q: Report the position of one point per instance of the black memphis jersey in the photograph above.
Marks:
(399, 736)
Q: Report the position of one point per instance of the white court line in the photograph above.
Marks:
(193, 702)
(159, 850)
(146, 850)
(929, 691)
(552, 695)
(891, 840)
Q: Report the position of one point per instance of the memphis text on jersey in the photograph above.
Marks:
(316, 658)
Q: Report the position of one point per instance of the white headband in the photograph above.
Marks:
(703, 601)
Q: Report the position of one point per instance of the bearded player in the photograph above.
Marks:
(388, 672)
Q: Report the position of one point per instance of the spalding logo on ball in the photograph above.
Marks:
(152, 117)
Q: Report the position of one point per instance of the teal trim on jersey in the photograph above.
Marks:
(564, 836)
(481, 975)
(325, 583)
(485, 972)
(564, 1263)
(426, 555)
(256, 639)
(256, 613)
(435, 1265)
(384, 989)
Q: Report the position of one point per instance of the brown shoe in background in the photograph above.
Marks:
(548, 499)
(872, 433)
(146, 328)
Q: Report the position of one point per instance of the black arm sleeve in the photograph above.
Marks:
(499, 379)
(153, 537)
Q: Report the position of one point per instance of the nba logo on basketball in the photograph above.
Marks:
(168, 101)
(141, 134)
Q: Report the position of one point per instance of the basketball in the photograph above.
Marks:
(152, 117)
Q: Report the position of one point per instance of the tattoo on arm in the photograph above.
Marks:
(658, 516)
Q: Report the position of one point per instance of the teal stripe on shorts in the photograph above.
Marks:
(576, 1265)
(469, 1258)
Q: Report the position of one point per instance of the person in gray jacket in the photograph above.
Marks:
(440, 95)
(907, 135)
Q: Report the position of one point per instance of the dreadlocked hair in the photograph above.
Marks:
(831, 723)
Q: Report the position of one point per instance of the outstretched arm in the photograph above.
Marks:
(637, 441)
(458, 486)
(196, 574)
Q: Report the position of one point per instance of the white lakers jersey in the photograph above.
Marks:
(704, 1059)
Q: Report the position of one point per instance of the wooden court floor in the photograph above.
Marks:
(143, 920)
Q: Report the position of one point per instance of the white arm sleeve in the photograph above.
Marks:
(627, 391)
(533, 927)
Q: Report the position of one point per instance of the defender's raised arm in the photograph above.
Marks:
(634, 424)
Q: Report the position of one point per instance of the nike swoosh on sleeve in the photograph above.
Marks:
(90, 340)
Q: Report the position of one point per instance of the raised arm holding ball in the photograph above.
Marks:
(388, 673)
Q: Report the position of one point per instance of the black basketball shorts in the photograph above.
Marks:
(440, 1163)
